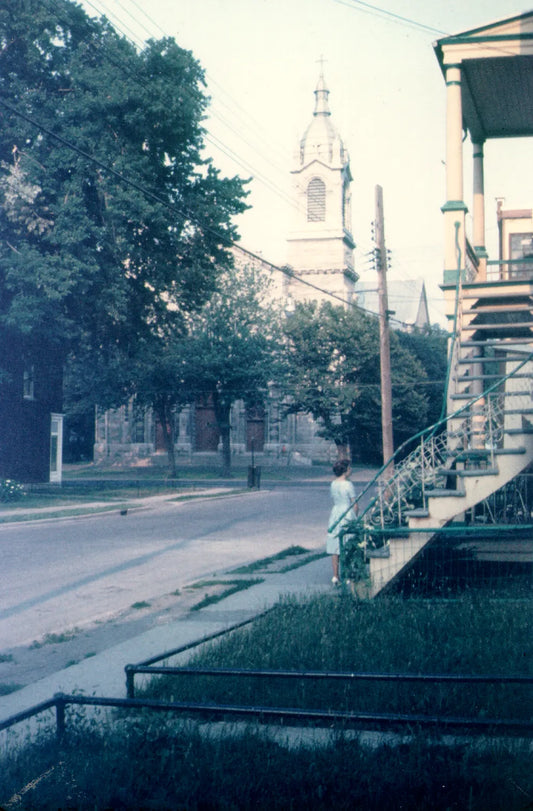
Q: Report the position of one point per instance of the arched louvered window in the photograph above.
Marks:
(316, 200)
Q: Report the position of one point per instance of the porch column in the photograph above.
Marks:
(454, 209)
(479, 210)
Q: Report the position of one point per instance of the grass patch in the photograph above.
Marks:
(298, 563)
(59, 513)
(166, 765)
(232, 587)
(157, 761)
(9, 687)
(291, 551)
(467, 635)
(6, 657)
(141, 604)
(54, 639)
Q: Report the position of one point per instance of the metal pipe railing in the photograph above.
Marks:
(474, 725)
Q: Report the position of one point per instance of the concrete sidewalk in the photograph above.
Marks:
(103, 674)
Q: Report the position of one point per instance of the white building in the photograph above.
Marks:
(320, 243)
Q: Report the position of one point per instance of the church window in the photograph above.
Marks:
(316, 200)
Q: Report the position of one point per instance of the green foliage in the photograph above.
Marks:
(158, 760)
(158, 763)
(231, 351)
(11, 490)
(429, 345)
(89, 261)
(333, 373)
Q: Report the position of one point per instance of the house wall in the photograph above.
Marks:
(25, 419)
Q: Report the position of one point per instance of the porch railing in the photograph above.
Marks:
(479, 429)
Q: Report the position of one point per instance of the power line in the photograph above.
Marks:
(228, 243)
(369, 8)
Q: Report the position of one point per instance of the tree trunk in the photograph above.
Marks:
(166, 418)
(222, 414)
(226, 449)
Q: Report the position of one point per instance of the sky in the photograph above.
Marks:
(387, 98)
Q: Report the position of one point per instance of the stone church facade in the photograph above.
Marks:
(320, 255)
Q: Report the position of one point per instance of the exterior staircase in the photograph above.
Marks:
(452, 481)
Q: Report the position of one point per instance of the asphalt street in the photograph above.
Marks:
(72, 573)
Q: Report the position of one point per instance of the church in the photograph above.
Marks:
(321, 262)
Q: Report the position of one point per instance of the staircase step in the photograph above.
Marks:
(419, 512)
(468, 378)
(500, 308)
(478, 471)
(382, 552)
(498, 341)
(495, 327)
(471, 454)
(487, 359)
(442, 492)
(468, 395)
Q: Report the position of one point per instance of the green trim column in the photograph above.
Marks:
(479, 210)
(454, 209)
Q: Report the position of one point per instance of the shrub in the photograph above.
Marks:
(10, 490)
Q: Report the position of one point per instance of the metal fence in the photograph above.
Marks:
(233, 712)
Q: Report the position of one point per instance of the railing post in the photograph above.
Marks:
(491, 428)
(130, 677)
(423, 471)
(60, 704)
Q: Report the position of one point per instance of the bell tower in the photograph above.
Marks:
(320, 243)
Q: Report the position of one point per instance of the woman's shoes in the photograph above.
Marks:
(335, 581)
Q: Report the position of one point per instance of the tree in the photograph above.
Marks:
(429, 345)
(333, 374)
(233, 346)
(113, 225)
(160, 382)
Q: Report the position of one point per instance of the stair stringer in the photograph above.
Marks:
(444, 508)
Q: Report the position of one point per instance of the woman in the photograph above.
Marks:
(343, 496)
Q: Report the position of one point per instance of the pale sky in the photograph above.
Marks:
(387, 99)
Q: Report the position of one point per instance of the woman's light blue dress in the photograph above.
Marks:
(342, 494)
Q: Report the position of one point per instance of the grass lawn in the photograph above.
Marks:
(156, 762)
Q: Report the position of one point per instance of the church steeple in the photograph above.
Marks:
(321, 242)
(321, 139)
(321, 97)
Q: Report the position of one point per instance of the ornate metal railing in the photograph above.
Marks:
(478, 432)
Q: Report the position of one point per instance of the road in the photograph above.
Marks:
(60, 574)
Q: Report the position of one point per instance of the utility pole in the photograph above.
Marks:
(384, 333)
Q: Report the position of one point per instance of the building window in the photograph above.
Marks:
(316, 200)
(28, 384)
(521, 247)
(137, 427)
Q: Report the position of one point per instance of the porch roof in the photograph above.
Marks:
(497, 77)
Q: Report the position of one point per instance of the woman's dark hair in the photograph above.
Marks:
(341, 467)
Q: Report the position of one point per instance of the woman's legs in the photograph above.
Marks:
(335, 565)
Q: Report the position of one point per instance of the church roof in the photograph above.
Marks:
(406, 298)
(321, 141)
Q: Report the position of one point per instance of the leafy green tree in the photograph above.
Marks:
(113, 226)
(333, 373)
(232, 349)
(429, 345)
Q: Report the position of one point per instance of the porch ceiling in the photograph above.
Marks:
(497, 77)
(498, 97)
